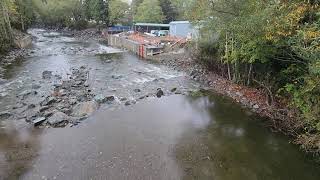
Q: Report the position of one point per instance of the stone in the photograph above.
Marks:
(123, 99)
(48, 101)
(85, 108)
(43, 108)
(193, 72)
(137, 90)
(128, 103)
(178, 92)
(256, 106)
(159, 93)
(102, 99)
(73, 101)
(142, 97)
(116, 76)
(2, 81)
(46, 74)
(58, 76)
(5, 115)
(239, 94)
(110, 99)
(27, 93)
(38, 121)
(31, 106)
(173, 89)
(58, 118)
(35, 86)
(66, 84)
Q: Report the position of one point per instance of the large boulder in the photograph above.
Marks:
(58, 118)
(85, 108)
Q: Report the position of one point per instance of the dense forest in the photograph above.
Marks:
(270, 44)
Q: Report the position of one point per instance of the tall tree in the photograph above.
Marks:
(149, 11)
(101, 11)
(134, 5)
(118, 11)
(169, 10)
(25, 13)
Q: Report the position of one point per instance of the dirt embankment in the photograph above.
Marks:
(279, 117)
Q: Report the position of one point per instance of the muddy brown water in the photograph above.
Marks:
(174, 137)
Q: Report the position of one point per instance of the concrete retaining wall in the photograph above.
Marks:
(24, 42)
(132, 46)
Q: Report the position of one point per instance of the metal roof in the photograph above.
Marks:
(180, 22)
(152, 25)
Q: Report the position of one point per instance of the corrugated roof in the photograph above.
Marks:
(152, 24)
(180, 22)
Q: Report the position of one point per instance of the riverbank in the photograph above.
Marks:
(279, 118)
(18, 50)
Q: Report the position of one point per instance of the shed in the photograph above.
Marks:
(147, 27)
(181, 28)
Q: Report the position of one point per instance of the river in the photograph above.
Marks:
(174, 137)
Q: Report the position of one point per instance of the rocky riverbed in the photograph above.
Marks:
(62, 80)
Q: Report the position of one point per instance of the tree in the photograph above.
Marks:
(149, 11)
(182, 8)
(119, 11)
(25, 14)
(101, 11)
(134, 5)
(169, 10)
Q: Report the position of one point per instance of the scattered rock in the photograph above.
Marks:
(85, 108)
(159, 93)
(256, 106)
(102, 99)
(46, 74)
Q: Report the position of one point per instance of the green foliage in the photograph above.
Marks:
(149, 11)
(169, 10)
(274, 42)
(119, 12)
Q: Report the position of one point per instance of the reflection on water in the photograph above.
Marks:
(174, 137)
(235, 146)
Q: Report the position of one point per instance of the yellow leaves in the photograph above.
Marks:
(310, 35)
(290, 23)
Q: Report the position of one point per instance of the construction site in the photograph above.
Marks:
(149, 39)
